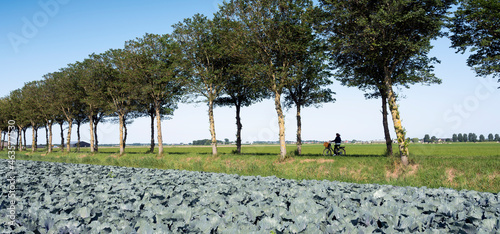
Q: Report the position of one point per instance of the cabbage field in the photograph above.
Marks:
(77, 198)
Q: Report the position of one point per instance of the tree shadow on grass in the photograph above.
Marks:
(344, 156)
(310, 155)
(319, 155)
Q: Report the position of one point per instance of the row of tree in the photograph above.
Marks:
(202, 58)
(255, 49)
(472, 137)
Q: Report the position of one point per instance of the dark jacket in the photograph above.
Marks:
(337, 140)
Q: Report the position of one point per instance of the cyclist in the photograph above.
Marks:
(337, 141)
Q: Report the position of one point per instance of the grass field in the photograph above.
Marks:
(471, 166)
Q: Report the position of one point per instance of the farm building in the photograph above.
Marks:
(82, 144)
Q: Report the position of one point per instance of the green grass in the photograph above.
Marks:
(458, 165)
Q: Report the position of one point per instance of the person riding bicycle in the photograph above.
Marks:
(337, 141)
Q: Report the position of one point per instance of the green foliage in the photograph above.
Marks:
(202, 52)
(111, 175)
(490, 137)
(205, 142)
(474, 26)
(482, 138)
(368, 39)
(375, 45)
(277, 35)
(206, 62)
(155, 62)
(4, 114)
(287, 31)
(427, 138)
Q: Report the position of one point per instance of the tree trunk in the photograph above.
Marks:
(68, 141)
(281, 123)
(125, 132)
(9, 140)
(46, 137)
(36, 139)
(239, 126)
(62, 136)
(400, 132)
(91, 125)
(33, 141)
(2, 136)
(212, 126)
(78, 135)
(388, 140)
(299, 131)
(158, 129)
(122, 146)
(49, 142)
(24, 138)
(96, 140)
(20, 138)
(152, 147)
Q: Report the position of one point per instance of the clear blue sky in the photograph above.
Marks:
(38, 37)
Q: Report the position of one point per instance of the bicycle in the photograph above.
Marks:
(328, 151)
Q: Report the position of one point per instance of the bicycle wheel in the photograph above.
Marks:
(327, 152)
(342, 152)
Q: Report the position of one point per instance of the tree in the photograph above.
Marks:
(4, 120)
(472, 137)
(242, 89)
(277, 32)
(49, 110)
(307, 87)
(240, 92)
(33, 108)
(16, 110)
(497, 137)
(67, 98)
(79, 108)
(201, 47)
(383, 44)
(91, 73)
(156, 65)
(465, 137)
(454, 138)
(7, 121)
(121, 87)
(482, 138)
(434, 139)
(490, 137)
(427, 138)
(475, 27)
(460, 137)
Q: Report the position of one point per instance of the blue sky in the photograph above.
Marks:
(38, 37)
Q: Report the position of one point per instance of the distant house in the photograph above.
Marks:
(82, 144)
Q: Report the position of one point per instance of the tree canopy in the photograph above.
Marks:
(475, 27)
(277, 32)
(381, 44)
